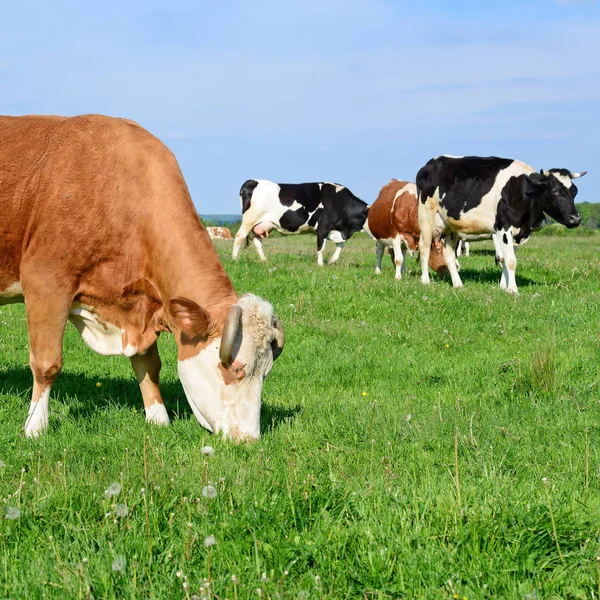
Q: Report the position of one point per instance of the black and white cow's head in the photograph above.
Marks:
(356, 212)
(555, 192)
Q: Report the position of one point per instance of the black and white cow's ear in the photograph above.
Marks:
(577, 175)
(536, 179)
(544, 173)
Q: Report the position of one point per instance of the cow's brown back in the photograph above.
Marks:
(101, 205)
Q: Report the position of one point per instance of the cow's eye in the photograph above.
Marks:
(555, 193)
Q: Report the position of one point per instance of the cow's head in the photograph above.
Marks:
(223, 376)
(354, 218)
(555, 191)
(436, 258)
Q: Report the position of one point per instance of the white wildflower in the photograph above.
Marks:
(209, 541)
(208, 450)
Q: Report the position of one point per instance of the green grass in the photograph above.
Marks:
(347, 495)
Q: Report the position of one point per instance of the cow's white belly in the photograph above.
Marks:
(101, 336)
(335, 236)
(13, 293)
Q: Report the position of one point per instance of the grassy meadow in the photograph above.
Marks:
(418, 442)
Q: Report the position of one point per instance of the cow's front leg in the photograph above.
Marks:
(450, 257)
(147, 370)
(497, 249)
(258, 245)
(336, 254)
(509, 262)
(321, 241)
(47, 313)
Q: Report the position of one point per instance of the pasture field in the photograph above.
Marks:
(418, 442)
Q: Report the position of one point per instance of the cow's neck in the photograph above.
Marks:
(187, 265)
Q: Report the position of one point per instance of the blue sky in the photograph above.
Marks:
(353, 91)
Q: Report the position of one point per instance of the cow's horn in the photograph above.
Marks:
(544, 173)
(279, 338)
(230, 330)
(577, 175)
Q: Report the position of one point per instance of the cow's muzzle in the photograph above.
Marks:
(574, 221)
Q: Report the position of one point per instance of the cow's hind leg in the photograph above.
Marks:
(240, 236)
(336, 254)
(379, 250)
(47, 314)
(450, 244)
(427, 214)
(321, 241)
(398, 255)
(147, 370)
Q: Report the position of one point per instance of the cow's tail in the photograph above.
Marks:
(246, 192)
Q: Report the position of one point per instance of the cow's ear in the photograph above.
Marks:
(189, 317)
(536, 179)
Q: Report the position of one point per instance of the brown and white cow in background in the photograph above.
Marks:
(393, 222)
(97, 227)
(219, 233)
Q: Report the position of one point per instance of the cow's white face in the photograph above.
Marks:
(225, 391)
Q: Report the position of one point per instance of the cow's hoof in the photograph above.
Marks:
(35, 431)
(157, 415)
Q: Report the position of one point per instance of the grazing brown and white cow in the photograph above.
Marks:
(219, 233)
(393, 222)
(97, 227)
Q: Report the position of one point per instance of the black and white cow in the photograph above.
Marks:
(472, 195)
(330, 210)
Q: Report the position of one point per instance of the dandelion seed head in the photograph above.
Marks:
(209, 541)
(119, 563)
(121, 510)
(234, 579)
(208, 450)
(263, 577)
(178, 574)
(258, 592)
(209, 491)
(13, 513)
(114, 489)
